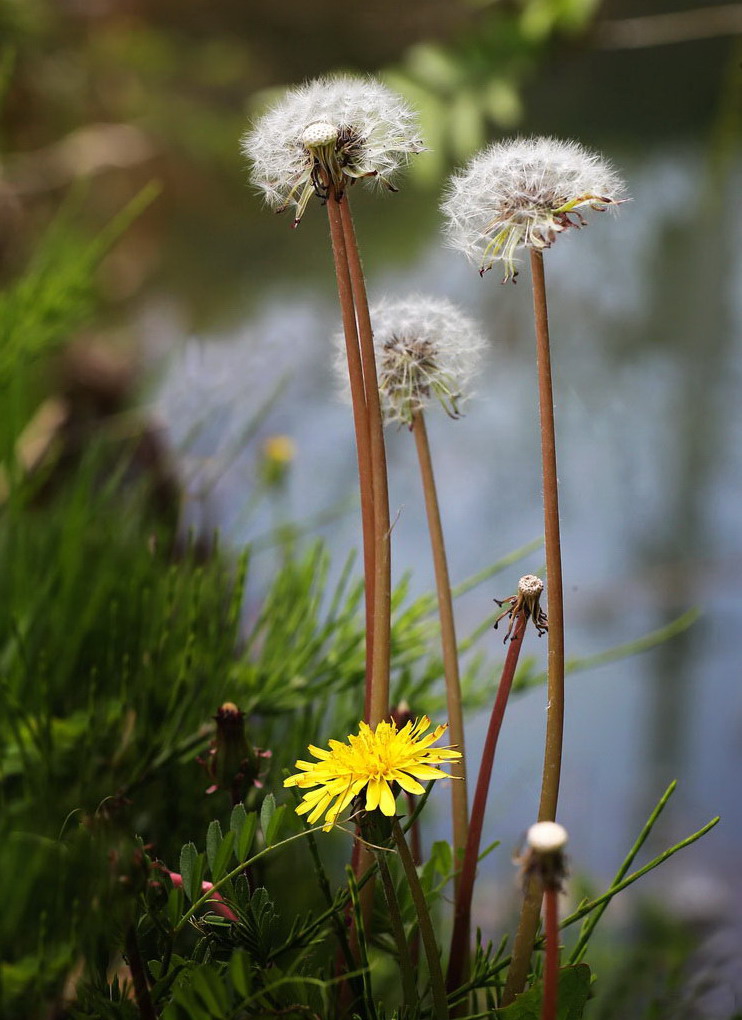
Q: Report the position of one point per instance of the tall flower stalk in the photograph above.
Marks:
(318, 140)
(427, 351)
(514, 195)
(521, 608)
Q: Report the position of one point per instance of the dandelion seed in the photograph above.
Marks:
(327, 134)
(523, 194)
(426, 349)
(373, 760)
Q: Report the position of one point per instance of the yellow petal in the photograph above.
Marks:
(386, 800)
(373, 793)
(408, 783)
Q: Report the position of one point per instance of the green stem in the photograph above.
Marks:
(459, 801)
(378, 708)
(587, 929)
(360, 422)
(138, 975)
(437, 986)
(361, 940)
(531, 909)
(409, 988)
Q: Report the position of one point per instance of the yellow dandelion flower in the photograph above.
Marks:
(374, 760)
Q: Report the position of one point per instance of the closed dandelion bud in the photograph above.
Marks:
(232, 762)
(326, 134)
(544, 857)
(426, 350)
(522, 194)
(277, 455)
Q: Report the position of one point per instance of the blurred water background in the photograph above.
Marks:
(225, 308)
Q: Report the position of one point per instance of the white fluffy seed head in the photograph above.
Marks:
(426, 349)
(364, 129)
(530, 585)
(547, 837)
(522, 194)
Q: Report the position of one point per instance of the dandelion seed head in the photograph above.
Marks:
(426, 349)
(327, 133)
(377, 761)
(522, 194)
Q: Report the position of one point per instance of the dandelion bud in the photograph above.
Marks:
(544, 857)
(426, 349)
(232, 762)
(522, 194)
(327, 134)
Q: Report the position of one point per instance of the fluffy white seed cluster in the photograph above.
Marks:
(426, 349)
(522, 194)
(327, 133)
(547, 837)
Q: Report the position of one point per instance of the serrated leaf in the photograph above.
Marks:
(219, 867)
(274, 825)
(266, 813)
(213, 842)
(190, 871)
(574, 991)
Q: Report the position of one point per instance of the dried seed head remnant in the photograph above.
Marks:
(522, 194)
(544, 856)
(324, 135)
(526, 601)
(426, 349)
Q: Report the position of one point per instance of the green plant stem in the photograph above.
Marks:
(361, 425)
(407, 971)
(380, 659)
(551, 965)
(460, 936)
(459, 800)
(588, 927)
(531, 909)
(138, 975)
(437, 986)
(368, 996)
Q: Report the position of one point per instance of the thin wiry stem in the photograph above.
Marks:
(528, 924)
(459, 802)
(382, 592)
(360, 421)
(406, 968)
(462, 912)
(551, 966)
(437, 985)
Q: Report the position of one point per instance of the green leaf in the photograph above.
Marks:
(219, 867)
(574, 991)
(245, 836)
(266, 813)
(213, 842)
(190, 871)
(210, 989)
(274, 825)
(237, 819)
(239, 972)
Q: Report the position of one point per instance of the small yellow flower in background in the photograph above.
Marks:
(372, 759)
(281, 449)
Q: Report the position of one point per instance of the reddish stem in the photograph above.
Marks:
(551, 967)
(361, 424)
(378, 706)
(462, 914)
(139, 978)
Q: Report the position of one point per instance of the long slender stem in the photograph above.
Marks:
(462, 912)
(360, 422)
(531, 909)
(437, 986)
(406, 969)
(138, 976)
(459, 801)
(379, 700)
(551, 966)
(552, 542)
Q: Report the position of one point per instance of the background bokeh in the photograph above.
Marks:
(221, 312)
